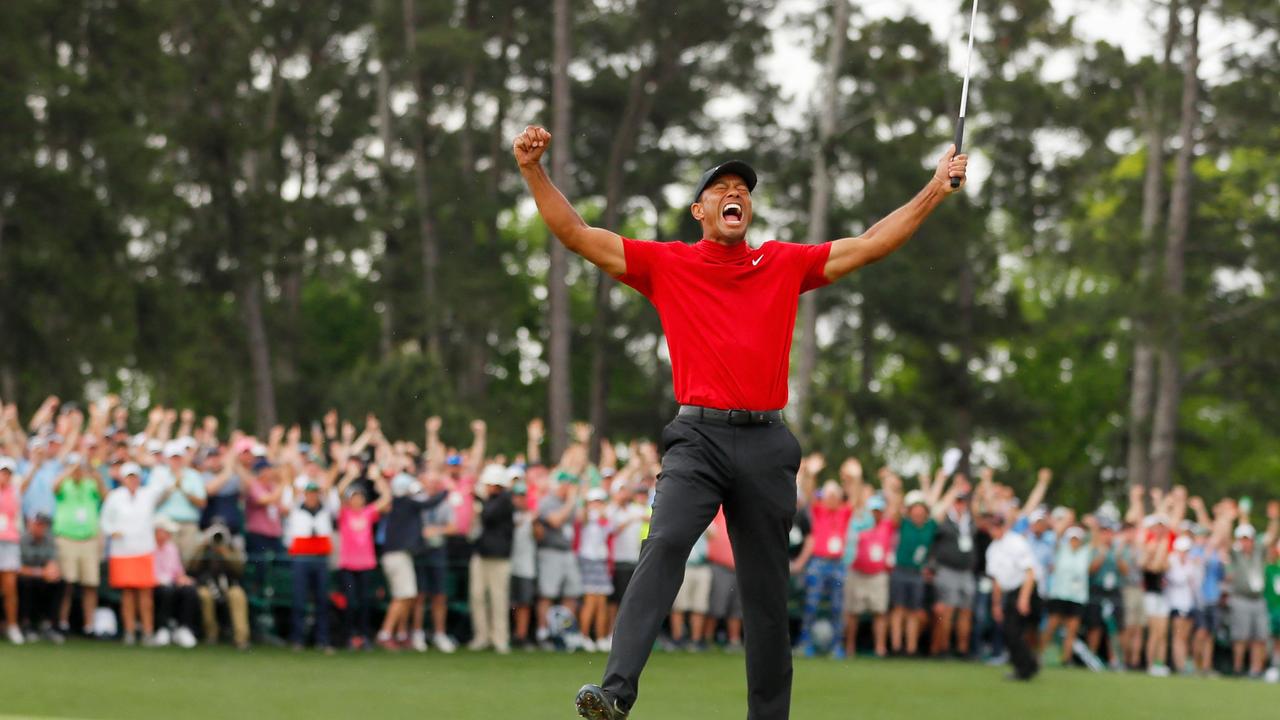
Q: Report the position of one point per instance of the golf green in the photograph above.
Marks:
(105, 680)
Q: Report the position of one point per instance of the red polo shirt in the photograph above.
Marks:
(728, 313)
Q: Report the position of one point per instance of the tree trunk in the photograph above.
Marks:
(819, 207)
(1165, 430)
(1144, 358)
(642, 89)
(8, 384)
(249, 298)
(559, 386)
(964, 393)
(466, 140)
(391, 249)
(429, 244)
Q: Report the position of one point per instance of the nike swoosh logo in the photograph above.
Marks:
(757, 260)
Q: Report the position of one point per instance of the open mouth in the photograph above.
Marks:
(732, 214)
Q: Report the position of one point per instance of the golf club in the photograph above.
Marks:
(964, 93)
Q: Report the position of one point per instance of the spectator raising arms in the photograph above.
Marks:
(356, 558)
(309, 529)
(11, 489)
(79, 492)
(829, 519)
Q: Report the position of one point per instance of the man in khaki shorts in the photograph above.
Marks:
(78, 494)
(1135, 612)
(866, 588)
(693, 602)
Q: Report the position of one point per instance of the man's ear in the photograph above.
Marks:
(697, 211)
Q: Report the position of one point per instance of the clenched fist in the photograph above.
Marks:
(530, 144)
(950, 166)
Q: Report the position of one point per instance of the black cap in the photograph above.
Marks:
(732, 167)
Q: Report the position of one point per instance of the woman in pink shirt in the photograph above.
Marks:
(10, 558)
(356, 559)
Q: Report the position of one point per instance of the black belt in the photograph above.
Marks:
(732, 417)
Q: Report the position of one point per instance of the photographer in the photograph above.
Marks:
(217, 570)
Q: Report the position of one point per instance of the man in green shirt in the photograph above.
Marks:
(906, 583)
(1272, 594)
(78, 494)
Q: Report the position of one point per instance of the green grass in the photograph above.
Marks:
(104, 680)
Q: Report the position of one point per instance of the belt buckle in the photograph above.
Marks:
(739, 417)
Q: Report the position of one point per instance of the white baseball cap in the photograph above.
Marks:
(1245, 531)
(1151, 521)
(167, 525)
(155, 446)
(915, 497)
(128, 469)
(1073, 533)
(597, 495)
(495, 474)
(174, 450)
(7, 463)
(1182, 544)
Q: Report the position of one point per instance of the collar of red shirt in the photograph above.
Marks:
(723, 253)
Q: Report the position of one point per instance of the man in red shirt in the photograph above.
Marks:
(728, 311)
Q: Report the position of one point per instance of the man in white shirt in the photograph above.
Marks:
(1015, 604)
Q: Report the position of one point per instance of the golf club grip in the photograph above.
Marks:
(955, 181)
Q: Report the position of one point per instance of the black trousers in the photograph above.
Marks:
(356, 586)
(751, 471)
(38, 601)
(1016, 627)
(176, 605)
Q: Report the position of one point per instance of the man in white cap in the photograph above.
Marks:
(490, 571)
(906, 582)
(186, 500)
(1248, 618)
(1015, 604)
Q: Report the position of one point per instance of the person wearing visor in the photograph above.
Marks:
(1068, 590)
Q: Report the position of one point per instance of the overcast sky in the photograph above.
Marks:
(1127, 23)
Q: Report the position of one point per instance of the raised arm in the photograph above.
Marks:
(849, 254)
(851, 477)
(602, 248)
(1043, 478)
(475, 456)
(533, 444)
(959, 485)
(1273, 524)
(807, 477)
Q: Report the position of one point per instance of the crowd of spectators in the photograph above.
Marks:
(366, 539)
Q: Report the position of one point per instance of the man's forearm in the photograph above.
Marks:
(884, 237)
(555, 209)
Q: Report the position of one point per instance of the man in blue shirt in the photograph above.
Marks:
(46, 458)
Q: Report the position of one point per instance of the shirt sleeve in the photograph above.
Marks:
(642, 260)
(811, 260)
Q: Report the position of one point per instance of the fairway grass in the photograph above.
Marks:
(104, 680)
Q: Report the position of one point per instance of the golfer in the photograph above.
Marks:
(728, 312)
